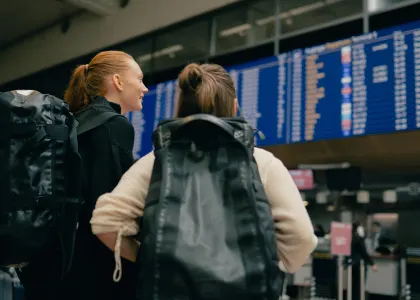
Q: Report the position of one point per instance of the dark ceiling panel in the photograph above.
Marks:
(398, 151)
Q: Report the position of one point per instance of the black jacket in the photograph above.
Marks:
(359, 252)
(106, 153)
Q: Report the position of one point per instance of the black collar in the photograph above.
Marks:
(102, 101)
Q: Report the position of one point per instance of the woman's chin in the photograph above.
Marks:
(138, 106)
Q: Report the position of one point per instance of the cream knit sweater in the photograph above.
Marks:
(119, 210)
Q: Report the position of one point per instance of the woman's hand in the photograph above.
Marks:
(374, 268)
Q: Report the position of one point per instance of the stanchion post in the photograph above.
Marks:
(349, 280)
(312, 290)
(341, 235)
(362, 280)
(340, 277)
(405, 288)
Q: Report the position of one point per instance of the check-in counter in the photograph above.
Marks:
(386, 281)
(413, 272)
(304, 275)
(300, 282)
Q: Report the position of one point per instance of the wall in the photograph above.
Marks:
(90, 33)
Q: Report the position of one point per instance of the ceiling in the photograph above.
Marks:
(21, 18)
(396, 152)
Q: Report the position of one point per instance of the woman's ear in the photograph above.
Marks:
(116, 79)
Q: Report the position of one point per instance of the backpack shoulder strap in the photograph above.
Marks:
(87, 124)
(97, 121)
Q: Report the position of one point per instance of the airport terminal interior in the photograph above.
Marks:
(332, 85)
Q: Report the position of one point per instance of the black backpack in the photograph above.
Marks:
(40, 176)
(207, 230)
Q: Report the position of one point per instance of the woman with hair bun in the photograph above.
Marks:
(208, 89)
(110, 85)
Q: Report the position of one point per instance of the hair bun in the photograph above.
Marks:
(190, 78)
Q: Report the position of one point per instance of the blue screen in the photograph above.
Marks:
(368, 84)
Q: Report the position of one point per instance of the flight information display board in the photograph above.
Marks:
(368, 84)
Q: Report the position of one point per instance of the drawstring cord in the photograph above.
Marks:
(117, 254)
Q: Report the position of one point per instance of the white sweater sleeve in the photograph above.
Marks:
(294, 231)
(119, 211)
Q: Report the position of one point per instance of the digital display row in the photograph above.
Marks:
(362, 85)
